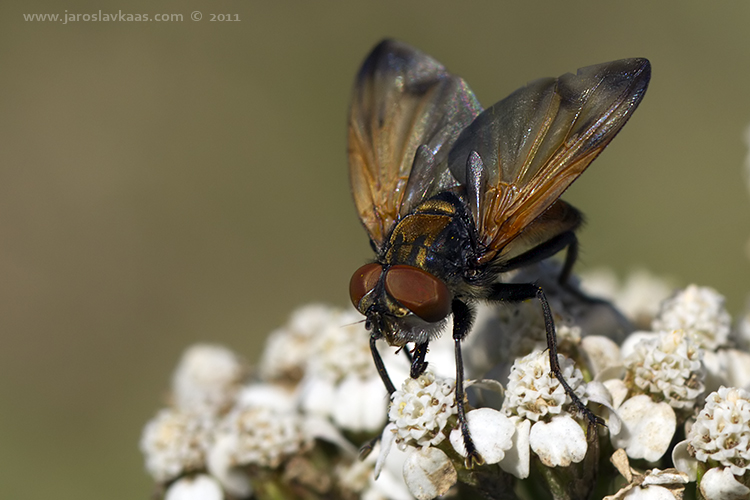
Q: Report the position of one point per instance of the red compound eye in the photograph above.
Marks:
(363, 281)
(419, 291)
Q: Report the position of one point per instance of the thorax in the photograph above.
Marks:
(436, 237)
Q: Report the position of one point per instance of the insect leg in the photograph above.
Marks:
(571, 256)
(546, 250)
(567, 239)
(380, 366)
(463, 317)
(367, 448)
(517, 292)
(418, 364)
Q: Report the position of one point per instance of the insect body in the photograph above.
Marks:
(451, 196)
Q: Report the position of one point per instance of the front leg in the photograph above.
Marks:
(463, 318)
(380, 365)
(418, 364)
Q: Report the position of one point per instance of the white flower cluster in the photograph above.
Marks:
(421, 409)
(668, 366)
(178, 439)
(722, 430)
(718, 444)
(700, 312)
(317, 382)
(207, 379)
(315, 372)
(174, 442)
(533, 391)
(260, 436)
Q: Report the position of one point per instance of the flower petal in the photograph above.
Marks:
(221, 465)
(200, 487)
(518, 457)
(387, 439)
(601, 352)
(720, 484)
(598, 393)
(559, 442)
(360, 404)
(684, 461)
(647, 429)
(429, 473)
(491, 431)
(650, 493)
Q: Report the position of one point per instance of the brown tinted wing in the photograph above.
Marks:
(519, 156)
(556, 220)
(406, 112)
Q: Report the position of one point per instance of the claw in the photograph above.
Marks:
(473, 459)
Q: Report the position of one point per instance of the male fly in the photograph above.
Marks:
(452, 195)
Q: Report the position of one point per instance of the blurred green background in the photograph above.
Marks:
(167, 183)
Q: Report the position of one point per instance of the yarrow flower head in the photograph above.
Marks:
(227, 435)
(700, 312)
(341, 348)
(341, 382)
(290, 348)
(207, 379)
(722, 430)
(534, 392)
(175, 442)
(669, 367)
(259, 436)
(421, 409)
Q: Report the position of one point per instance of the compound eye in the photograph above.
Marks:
(419, 291)
(363, 281)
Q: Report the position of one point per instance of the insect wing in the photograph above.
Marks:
(518, 156)
(406, 113)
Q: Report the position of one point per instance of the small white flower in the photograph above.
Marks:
(517, 460)
(559, 442)
(700, 312)
(684, 461)
(200, 487)
(601, 352)
(721, 431)
(258, 436)
(207, 379)
(491, 431)
(669, 367)
(720, 484)
(357, 477)
(599, 393)
(647, 428)
(361, 404)
(429, 473)
(221, 463)
(421, 409)
(278, 398)
(534, 392)
(289, 348)
(340, 380)
(174, 443)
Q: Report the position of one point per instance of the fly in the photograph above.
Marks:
(452, 195)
